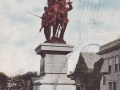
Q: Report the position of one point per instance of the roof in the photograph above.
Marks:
(90, 58)
(34, 79)
(110, 44)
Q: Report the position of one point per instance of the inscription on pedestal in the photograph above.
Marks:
(54, 66)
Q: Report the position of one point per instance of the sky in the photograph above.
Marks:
(92, 23)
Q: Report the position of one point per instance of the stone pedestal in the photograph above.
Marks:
(54, 67)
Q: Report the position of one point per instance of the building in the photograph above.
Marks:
(34, 86)
(110, 52)
(90, 59)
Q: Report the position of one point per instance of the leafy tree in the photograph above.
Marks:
(89, 78)
(93, 76)
(21, 80)
(3, 79)
(28, 75)
(81, 70)
(97, 74)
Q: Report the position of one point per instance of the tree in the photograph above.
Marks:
(81, 71)
(97, 74)
(28, 75)
(94, 76)
(3, 80)
(89, 79)
(20, 81)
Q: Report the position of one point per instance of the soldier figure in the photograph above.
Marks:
(62, 17)
(55, 15)
(54, 9)
(47, 22)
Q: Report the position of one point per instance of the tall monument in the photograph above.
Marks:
(55, 16)
(53, 63)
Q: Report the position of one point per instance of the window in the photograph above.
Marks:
(114, 85)
(116, 63)
(109, 65)
(110, 85)
(104, 80)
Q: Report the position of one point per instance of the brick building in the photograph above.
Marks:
(110, 52)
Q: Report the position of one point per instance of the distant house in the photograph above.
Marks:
(33, 85)
(30, 84)
(8, 87)
(90, 59)
(3, 86)
(110, 52)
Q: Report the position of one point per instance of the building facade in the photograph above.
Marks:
(110, 52)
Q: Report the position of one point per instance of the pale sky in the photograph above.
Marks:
(91, 22)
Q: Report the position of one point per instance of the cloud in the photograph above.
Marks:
(98, 4)
(92, 27)
(19, 36)
(91, 22)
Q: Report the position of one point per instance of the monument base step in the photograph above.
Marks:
(53, 87)
(54, 78)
